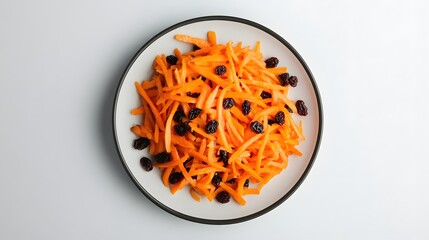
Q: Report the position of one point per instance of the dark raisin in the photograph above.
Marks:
(232, 181)
(193, 113)
(246, 183)
(223, 197)
(280, 118)
(257, 127)
(203, 78)
(220, 70)
(288, 108)
(271, 122)
(171, 59)
(271, 62)
(178, 116)
(141, 143)
(162, 157)
(146, 164)
(245, 107)
(216, 180)
(228, 103)
(195, 47)
(301, 108)
(194, 95)
(284, 79)
(224, 156)
(211, 126)
(175, 177)
(181, 129)
(265, 95)
(293, 81)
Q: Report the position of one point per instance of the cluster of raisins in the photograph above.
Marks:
(285, 80)
(182, 126)
(224, 196)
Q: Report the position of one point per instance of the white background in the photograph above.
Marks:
(60, 175)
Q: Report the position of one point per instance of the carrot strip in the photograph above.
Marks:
(210, 99)
(194, 195)
(261, 151)
(220, 120)
(155, 112)
(212, 37)
(138, 111)
(166, 175)
(201, 43)
(168, 127)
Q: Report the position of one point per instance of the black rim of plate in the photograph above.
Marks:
(306, 171)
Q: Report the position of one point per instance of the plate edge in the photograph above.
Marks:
(307, 169)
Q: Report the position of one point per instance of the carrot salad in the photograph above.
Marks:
(217, 119)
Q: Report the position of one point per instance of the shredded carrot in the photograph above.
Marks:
(182, 98)
(194, 194)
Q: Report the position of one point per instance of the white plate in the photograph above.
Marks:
(182, 204)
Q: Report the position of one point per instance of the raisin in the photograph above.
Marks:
(146, 164)
(175, 177)
(271, 62)
(203, 78)
(223, 197)
(220, 70)
(181, 129)
(288, 108)
(224, 156)
(141, 143)
(228, 103)
(216, 180)
(284, 79)
(178, 116)
(245, 107)
(193, 113)
(171, 59)
(257, 127)
(293, 81)
(301, 108)
(271, 122)
(265, 95)
(162, 157)
(232, 181)
(246, 183)
(211, 126)
(280, 118)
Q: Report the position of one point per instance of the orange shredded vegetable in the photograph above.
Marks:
(239, 158)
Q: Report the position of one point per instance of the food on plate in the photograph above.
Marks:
(217, 119)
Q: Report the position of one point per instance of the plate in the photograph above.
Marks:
(182, 204)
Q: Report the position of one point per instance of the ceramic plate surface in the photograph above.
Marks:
(182, 204)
